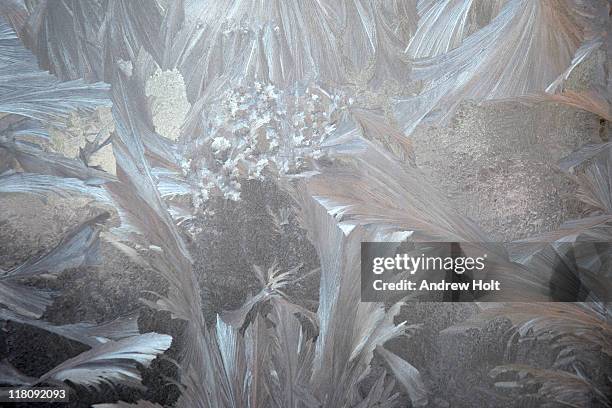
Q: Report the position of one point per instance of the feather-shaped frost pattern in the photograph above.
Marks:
(233, 364)
(63, 36)
(171, 183)
(145, 217)
(79, 247)
(586, 152)
(443, 25)
(407, 375)
(381, 391)
(371, 39)
(273, 281)
(13, 53)
(113, 361)
(595, 178)
(279, 42)
(25, 300)
(28, 91)
(497, 61)
(140, 202)
(33, 159)
(593, 95)
(402, 17)
(349, 330)
(292, 353)
(586, 50)
(554, 386)
(44, 185)
(257, 354)
(85, 333)
(129, 26)
(568, 326)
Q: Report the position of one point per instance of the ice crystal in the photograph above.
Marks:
(168, 100)
(258, 130)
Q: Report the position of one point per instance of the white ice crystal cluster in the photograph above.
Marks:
(168, 100)
(260, 130)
